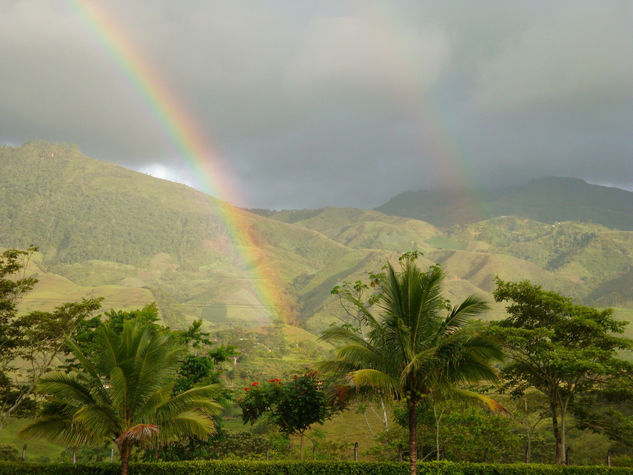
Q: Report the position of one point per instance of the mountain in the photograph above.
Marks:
(107, 231)
(547, 200)
(99, 224)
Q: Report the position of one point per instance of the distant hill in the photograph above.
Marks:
(547, 200)
(105, 230)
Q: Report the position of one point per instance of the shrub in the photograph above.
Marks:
(296, 468)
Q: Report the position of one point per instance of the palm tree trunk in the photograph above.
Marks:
(124, 451)
(413, 443)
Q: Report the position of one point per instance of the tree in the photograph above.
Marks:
(123, 393)
(607, 409)
(417, 345)
(293, 406)
(557, 347)
(30, 343)
(530, 412)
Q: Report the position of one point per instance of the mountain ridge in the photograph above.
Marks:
(102, 228)
(549, 199)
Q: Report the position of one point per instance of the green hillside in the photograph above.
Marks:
(107, 231)
(548, 200)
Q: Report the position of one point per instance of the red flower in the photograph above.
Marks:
(239, 399)
(246, 389)
(255, 383)
(294, 377)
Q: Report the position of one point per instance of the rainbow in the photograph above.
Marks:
(436, 139)
(184, 133)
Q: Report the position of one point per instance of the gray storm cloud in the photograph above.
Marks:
(334, 103)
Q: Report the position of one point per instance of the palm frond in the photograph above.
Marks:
(187, 423)
(492, 404)
(96, 386)
(58, 429)
(100, 421)
(119, 390)
(471, 306)
(361, 354)
(66, 387)
(372, 378)
(200, 398)
(420, 359)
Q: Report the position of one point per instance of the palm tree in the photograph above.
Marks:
(417, 346)
(123, 394)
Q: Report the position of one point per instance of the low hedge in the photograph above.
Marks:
(291, 468)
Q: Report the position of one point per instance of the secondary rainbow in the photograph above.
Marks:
(199, 154)
(435, 137)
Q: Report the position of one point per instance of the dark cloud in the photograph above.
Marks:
(336, 103)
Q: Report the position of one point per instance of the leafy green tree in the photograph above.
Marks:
(198, 365)
(122, 393)
(416, 345)
(608, 409)
(475, 435)
(557, 347)
(33, 340)
(293, 406)
(530, 411)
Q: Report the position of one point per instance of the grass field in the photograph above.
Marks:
(36, 450)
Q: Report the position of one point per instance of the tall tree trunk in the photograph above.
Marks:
(437, 430)
(563, 413)
(413, 442)
(556, 431)
(563, 425)
(385, 419)
(301, 447)
(371, 431)
(528, 446)
(124, 451)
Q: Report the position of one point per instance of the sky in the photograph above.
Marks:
(333, 103)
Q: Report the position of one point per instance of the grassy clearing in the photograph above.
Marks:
(36, 450)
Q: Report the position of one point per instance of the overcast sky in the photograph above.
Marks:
(340, 103)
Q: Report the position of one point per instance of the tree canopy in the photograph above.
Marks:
(416, 345)
(558, 347)
(123, 393)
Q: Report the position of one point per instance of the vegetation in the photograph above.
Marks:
(292, 406)
(317, 468)
(123, 393)
(29, 343)
(545, 200)
(134, 240)
(417, 347)
(559, 348)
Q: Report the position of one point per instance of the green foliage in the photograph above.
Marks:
(557, 347)
(220, 445)
(122, 393)
(607, 409)
(35, 339)
(9, 452)
(418, 346)
(292, 406)
(464, 433)
(315, 468)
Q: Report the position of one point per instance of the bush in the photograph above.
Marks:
(9, 452)
(296, 468)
